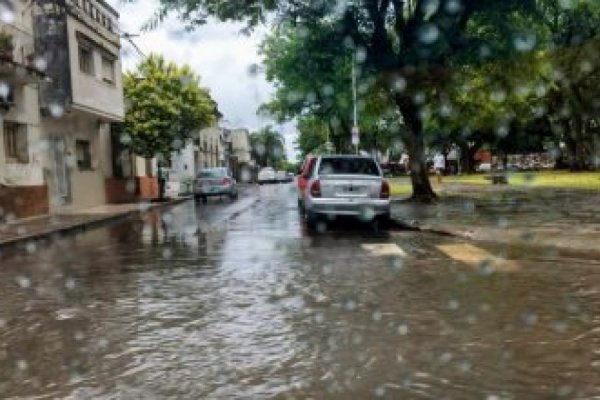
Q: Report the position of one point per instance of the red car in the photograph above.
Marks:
(305, 173)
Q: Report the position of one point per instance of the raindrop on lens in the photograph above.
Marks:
(23, 282)
(377, 316)
(380, 391)
(56, 110)
(70, 284)
(350, 305)
(7, 11)
(4, 90)
(453, 304)
(400, 84)
(402, 328)
(40, 63)
(525, 42)
(453, 6)
(428, 33)
(167, 253)
(22, 365)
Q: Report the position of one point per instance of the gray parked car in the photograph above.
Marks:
(213, 182)
(346, 185)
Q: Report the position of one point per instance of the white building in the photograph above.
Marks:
(81, 46)
(22, 188)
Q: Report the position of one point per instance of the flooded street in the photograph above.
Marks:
(236, 300)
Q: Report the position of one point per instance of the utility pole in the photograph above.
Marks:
(355, 130)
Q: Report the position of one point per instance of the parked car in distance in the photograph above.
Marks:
(484, 167)
(267, 175)
(212, 182)
(346, 185)
(303, 176)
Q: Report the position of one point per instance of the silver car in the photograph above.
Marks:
(212, 182)
(346, 185)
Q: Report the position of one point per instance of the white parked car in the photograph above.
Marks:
(484, 167)
(267, 175)
(346, 185)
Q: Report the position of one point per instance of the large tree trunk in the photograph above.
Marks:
(415, 145)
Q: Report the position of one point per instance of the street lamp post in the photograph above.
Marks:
(355, 130)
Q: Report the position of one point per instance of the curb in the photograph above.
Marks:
(588, 254)
(92, 222)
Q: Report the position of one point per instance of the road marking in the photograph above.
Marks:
(477, 257)
(384, 249)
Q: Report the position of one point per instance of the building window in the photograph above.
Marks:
(84, 154)
(108, 70)
(15, 142)
(86, 60)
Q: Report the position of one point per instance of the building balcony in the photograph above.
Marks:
(17, 73)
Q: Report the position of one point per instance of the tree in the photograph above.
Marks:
(268, 147)
(409, 45)
(164, 105)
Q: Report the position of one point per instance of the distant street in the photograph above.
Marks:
(235, 300)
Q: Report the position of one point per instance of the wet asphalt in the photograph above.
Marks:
(237, 300)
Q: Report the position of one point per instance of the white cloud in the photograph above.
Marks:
(219, 52)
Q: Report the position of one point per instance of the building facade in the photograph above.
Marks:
(81, 100)
(22, 187)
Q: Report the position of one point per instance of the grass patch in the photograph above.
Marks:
(540, 179)
(550, 179)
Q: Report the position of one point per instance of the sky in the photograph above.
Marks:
(218, 52)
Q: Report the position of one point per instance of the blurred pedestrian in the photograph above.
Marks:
(439, 164)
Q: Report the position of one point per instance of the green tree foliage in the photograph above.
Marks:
(414, 46)
(164, 105)
(268, 147)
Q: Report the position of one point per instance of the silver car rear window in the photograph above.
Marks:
(344, 166)
(212, 173)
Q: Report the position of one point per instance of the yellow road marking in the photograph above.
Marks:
(384, 249)
(476, 256)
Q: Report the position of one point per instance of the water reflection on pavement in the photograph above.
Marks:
(237, 301)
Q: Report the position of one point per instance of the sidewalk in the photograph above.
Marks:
(566, 220)
(43, 226)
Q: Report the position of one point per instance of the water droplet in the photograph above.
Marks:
(486, 267)
(70, 284)
(446, 358)
(524, 42)
(78, 336)
(2, 323)
(559, 326)
(4, 90)
(566, 4)
(402, 328)
(530, 318)
(399, 84)
(453, 304)
(22, 365)
(23, 282)
(319, 317)
(167, 253)
(7, 11)
(564, 390)
(40, 63)
(361, 55)
(380, 391)
(428, 33)
(30, 247)
(56, 110)
(377, 316)
(498, 96)
(430, 7)
(453, 6)
(350, 305)
(464, 366)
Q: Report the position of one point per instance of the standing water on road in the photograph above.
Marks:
(237, 301)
